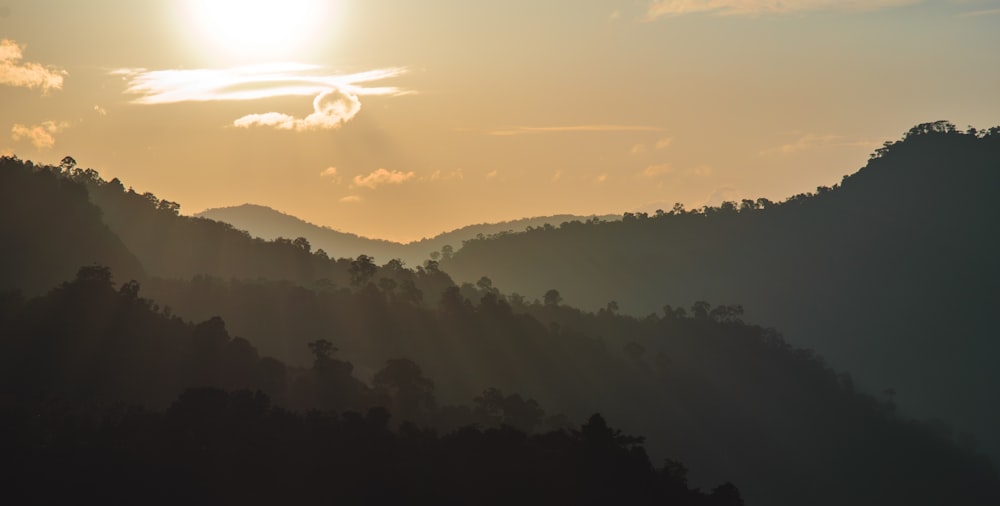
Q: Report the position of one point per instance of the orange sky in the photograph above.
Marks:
(404, 119)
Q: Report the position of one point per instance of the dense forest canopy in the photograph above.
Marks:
(412, 368)
(891, 275)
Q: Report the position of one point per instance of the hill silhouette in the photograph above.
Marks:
(270, 224)
(891, 275)
(723, 394)
(50, 228)
(733, 400)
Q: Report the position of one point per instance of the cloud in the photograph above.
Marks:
(670, 8)
(337, 97)
(26, 75)
(457, 174)
(557, 176)
(350, 199)
(574, 128)
(381, 177)
(804, 142)
(330, 110)
(330, 172)
(702, 170)
(100, 110)
(663, 143)
(603, 178)
(657, 170)
(41, 136)
(986, 12)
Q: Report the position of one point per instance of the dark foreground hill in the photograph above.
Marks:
(76, 363)
(86, 370)
(892, 275)
(269, 224)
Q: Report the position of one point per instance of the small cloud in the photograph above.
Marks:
(614, 15)
(664, 143)
(807, 141)
(657, 170)
(702, 170)
(603, 178)
(350, 199)
(455, 175)
(522, 130)
(331, 173)
(638, 149)
(672, 8)
(100, 110)
(381, 177)
(41, 136)
(26, 75)
(492, 174)
(557, 176)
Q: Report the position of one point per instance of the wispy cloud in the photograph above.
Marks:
(668, 8)
(14, 72)
(804, 142)
(985, 12)
(663, 143)
(814, 141)
(657, 170)
(523, 130)
(337, 97)
(42, 136)
(350, 199)
(455, 175)
(380, 177)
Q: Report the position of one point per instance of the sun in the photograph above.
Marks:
(257, 30)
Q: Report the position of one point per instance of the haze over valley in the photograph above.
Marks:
(710, 253)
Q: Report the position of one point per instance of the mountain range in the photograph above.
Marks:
(270, 224)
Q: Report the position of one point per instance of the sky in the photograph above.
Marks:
(403, 119)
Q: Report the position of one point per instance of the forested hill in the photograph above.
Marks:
(731, 399)
(891, 275)
(49, 228)
(267, 223)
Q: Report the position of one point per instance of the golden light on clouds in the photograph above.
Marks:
(15, 72)
(42, 136)
(404, 119)
(381, 177)
(337, 97)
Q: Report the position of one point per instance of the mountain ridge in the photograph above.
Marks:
(269, 224)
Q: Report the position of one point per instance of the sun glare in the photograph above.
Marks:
(257, 30)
